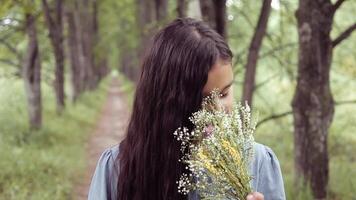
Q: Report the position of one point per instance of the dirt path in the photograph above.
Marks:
(108, 132)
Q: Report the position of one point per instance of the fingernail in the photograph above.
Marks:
(249, 197)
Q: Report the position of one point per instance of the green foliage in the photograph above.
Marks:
(118, 28)
(4, 7)
(43, 164)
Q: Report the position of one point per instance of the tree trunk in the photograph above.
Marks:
(220, 17)
(79, 38)
(55, 27)
(313, 104)
(149, 14)
(161, 10)
(255, 46)
(208, 12)
(97, 60)
(74, 52)
(127, 65)
(103, 68)
(87, 43)
(145, 14)
(182, 8)
(214, 13)
(32, 74)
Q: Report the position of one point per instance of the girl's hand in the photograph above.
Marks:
(255, 196)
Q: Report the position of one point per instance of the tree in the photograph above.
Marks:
(32, 73)
(161, 9)
(55, 28)
(75, 50)
(253, 53)
(87, 66)
(100, 59)
(149, 15)
(313, 103)
(214, 13)
(182, 8)
(87, 32)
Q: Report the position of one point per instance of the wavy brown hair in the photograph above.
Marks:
(174, 72)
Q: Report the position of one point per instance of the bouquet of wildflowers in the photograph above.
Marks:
(218, 151)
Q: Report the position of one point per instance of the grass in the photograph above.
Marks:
(43, 164)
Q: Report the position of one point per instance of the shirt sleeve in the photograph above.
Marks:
(270, 181)
(104, 181)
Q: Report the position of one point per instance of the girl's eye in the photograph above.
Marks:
(223, 95)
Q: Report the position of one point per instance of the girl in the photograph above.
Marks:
(186, 61)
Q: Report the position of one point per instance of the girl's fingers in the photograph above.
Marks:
(255, 196)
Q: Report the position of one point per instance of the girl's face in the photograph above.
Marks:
(221, 77)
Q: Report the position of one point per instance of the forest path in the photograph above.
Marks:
(108, 131)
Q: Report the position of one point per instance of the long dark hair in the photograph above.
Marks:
(174, 72)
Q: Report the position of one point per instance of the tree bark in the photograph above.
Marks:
(55, 27)
(208, 12)
(127, 65)
(220, 17)
(149, 14)
(74, 52)
(79, 37)
(83, 29)
(214, 13)
(313, 104)
(255, 46)
(161, 9)
(182, 8)
(97, 60)
(87, 43)
(32, 74)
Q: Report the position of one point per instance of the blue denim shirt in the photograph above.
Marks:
(265, 170)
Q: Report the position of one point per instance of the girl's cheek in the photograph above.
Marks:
(227, 102)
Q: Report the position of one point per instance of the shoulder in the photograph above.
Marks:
(263, 153)
(266, 173)
(112, 152)
(104, 180)
(107, 159)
